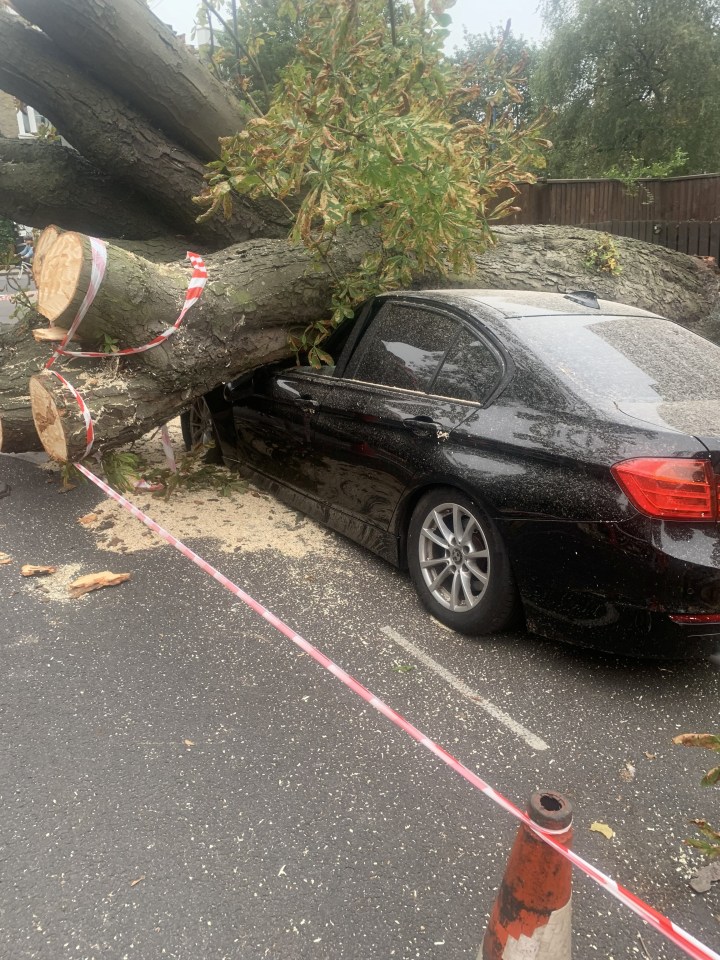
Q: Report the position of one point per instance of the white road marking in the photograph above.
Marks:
(530, 738)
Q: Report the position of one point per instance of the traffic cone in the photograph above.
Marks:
(531, 916)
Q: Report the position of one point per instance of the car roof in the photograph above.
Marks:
(526, 303)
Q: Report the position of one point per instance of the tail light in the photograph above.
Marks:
(669, 489)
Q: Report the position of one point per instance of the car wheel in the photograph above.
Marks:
(198, 428)
(459, 564)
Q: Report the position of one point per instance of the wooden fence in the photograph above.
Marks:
(682, 213)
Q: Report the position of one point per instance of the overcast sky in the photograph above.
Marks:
(474, 15)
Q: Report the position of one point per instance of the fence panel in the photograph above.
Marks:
(579, 202)
(686, 236)
(682, 213)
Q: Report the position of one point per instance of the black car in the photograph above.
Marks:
(551, 454)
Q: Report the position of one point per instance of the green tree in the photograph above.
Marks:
(631, 83)
(512, 56)
(252, 41)
(367, 128)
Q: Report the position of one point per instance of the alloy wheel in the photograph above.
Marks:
(454, 557)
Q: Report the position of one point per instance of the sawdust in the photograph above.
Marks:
(239, 523)
(242, 522)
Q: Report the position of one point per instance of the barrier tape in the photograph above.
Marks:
(97, 273)
(692, 947)
(195, 288)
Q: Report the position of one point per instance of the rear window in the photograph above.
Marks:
(624, 359)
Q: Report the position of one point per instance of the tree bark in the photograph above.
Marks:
(116, 139)
(256, 295)
(150, 68)
(20, 357)
(258, 291)
(676, 286)
(43, 183)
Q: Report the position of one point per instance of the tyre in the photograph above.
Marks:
(459, 564)
(198, 428)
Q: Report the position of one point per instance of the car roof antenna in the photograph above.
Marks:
(586, 298)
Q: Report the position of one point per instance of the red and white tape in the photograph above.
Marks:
(195, 288)
(97, 272)
(99, 265)
(692, 947)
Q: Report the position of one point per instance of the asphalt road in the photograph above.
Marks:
(161, 732)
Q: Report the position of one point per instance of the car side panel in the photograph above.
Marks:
(524, 462)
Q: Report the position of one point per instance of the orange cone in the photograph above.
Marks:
(531, 916)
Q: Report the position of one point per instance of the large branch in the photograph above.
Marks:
(125, 46)
(43, 183)
(256, 295)
(20, 357)
(116, 139)
(257, 291)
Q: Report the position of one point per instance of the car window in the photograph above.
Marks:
(625, 359)
(403, 347)
(470, 371)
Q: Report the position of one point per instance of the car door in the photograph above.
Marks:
(273, 422)
(387, 418)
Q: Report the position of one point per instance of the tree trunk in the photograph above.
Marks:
(676, 286)
(258, 291)
(44, 183)
(118, 140)
(151, 68)
(20, 357)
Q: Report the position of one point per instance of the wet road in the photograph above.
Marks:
(162, 733)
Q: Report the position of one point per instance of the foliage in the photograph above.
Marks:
(710, 845)
(632, 173)
(361, 129)
(124, 468)
(604, 257)
(251, 42)
(121, 469)
(508, 53)
(631, 80)
(7, 241)
(109, 344)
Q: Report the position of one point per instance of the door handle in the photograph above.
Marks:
(421, 425)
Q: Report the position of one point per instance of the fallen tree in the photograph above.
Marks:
(128, 96)
(257, 294)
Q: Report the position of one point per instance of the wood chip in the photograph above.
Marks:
(88, 518)
(602, 828)
(49, 334)
(96, 581)
(5, 558)
(134, 883)
(28, 570)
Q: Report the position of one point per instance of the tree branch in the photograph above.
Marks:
(126, 47)
(116, 139)
(43, 183)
